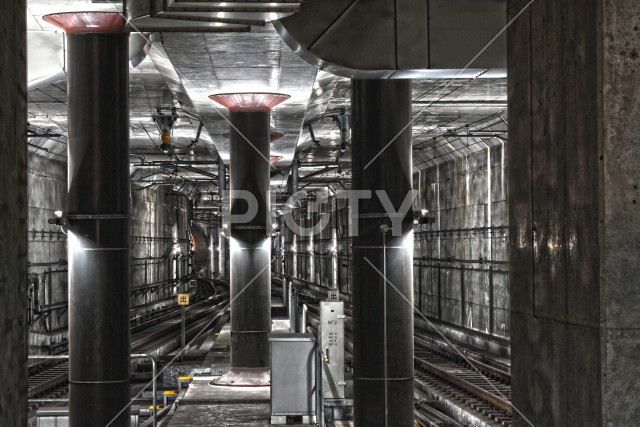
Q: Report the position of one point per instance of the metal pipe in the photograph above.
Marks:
(222, 239)
(46, 356)
(293, 308)
(319, 392)
(222, 179)
(295, 175)
(183, 334)
(285, 294)
(303, 319)
(158, 163)
(98, 217)
(381, 150)
(154, 367)
(384, 230)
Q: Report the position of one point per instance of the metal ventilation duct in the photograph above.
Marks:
(404, 39)
(204, 16)
(46, 52)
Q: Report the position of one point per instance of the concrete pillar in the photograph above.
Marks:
(382, 313)
(13, 220)
(98, 217)
(574, 201)
(250, 241)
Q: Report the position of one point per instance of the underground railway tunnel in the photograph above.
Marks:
(320, 212)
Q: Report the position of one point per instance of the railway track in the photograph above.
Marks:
(156, 336)
(445, 382)
(48, 380)
(482, 394)
(428, 416)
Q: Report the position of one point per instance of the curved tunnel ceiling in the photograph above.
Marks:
(182, 69)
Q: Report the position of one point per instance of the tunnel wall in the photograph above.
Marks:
(13, 205)
(158, 219)
(460, 264)
(48, 286)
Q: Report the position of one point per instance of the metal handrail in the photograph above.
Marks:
(154, 366)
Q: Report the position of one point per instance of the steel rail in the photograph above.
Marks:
(465, 385)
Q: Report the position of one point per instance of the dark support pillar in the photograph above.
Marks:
(222, 179)
(380, 110)
(295, 176)
(251, 244)
(223, 242)
(98, 216)
(574, 205)
(13, 219)
(250, 240)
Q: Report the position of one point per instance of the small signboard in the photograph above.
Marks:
(334, 296)
(183, 299)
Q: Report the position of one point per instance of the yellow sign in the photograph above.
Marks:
(183, 299)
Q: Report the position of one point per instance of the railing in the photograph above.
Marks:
(154, 367)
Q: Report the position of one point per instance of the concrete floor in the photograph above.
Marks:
(207, 405)
(204, 404)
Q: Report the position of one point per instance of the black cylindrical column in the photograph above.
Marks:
(98, 216)
(250, 241)
(222, 179)
(250, 237)
(382, 312)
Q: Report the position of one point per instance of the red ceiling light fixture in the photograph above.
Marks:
(259, 101)
(87, 22)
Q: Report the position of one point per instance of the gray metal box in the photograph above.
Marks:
(293, 373)
(332, 345)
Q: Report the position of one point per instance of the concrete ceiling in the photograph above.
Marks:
(454, 117)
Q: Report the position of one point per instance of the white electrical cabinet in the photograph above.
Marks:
(332, 346)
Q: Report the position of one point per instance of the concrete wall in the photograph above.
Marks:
(47, 253)
(13, 217)
(158, 221)
(574, 206)
(325, 257)
(160, 243)
(460, 264)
